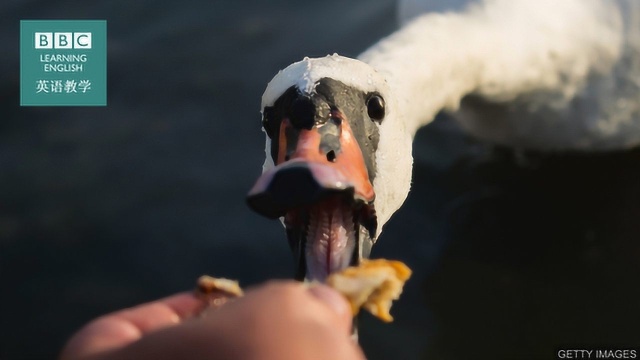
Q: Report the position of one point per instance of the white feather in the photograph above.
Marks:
(549, 75)
(543, 74)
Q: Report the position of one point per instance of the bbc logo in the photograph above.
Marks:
(63, 40)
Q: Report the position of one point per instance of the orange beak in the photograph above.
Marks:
(312, 165)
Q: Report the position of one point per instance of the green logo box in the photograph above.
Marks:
(63, 63)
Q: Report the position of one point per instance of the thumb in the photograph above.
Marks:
(335, 302)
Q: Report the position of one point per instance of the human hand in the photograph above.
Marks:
(280, 320)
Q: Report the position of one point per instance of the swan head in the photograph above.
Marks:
(338, 161)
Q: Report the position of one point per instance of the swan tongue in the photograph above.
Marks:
(331, 238)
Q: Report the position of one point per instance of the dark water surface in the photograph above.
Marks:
(515, 255)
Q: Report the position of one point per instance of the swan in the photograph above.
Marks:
(546, 75)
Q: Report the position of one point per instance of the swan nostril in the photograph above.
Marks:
(287, 157)
(331, 156)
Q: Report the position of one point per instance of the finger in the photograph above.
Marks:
(121, 328)
(291, 321)
(335, 302)
(279, 320)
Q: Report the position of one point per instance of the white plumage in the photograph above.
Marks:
(544, 74)
(557, 74)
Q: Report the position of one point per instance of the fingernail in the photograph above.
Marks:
(332, 299)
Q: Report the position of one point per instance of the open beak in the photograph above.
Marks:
(321, 187)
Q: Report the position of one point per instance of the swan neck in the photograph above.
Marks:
(425, 67)
(538, 51)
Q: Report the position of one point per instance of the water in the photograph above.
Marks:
(103, 208)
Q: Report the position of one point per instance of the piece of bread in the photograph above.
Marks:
(372, 285)
(208, 285)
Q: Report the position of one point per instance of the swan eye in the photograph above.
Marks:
(375, 107)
